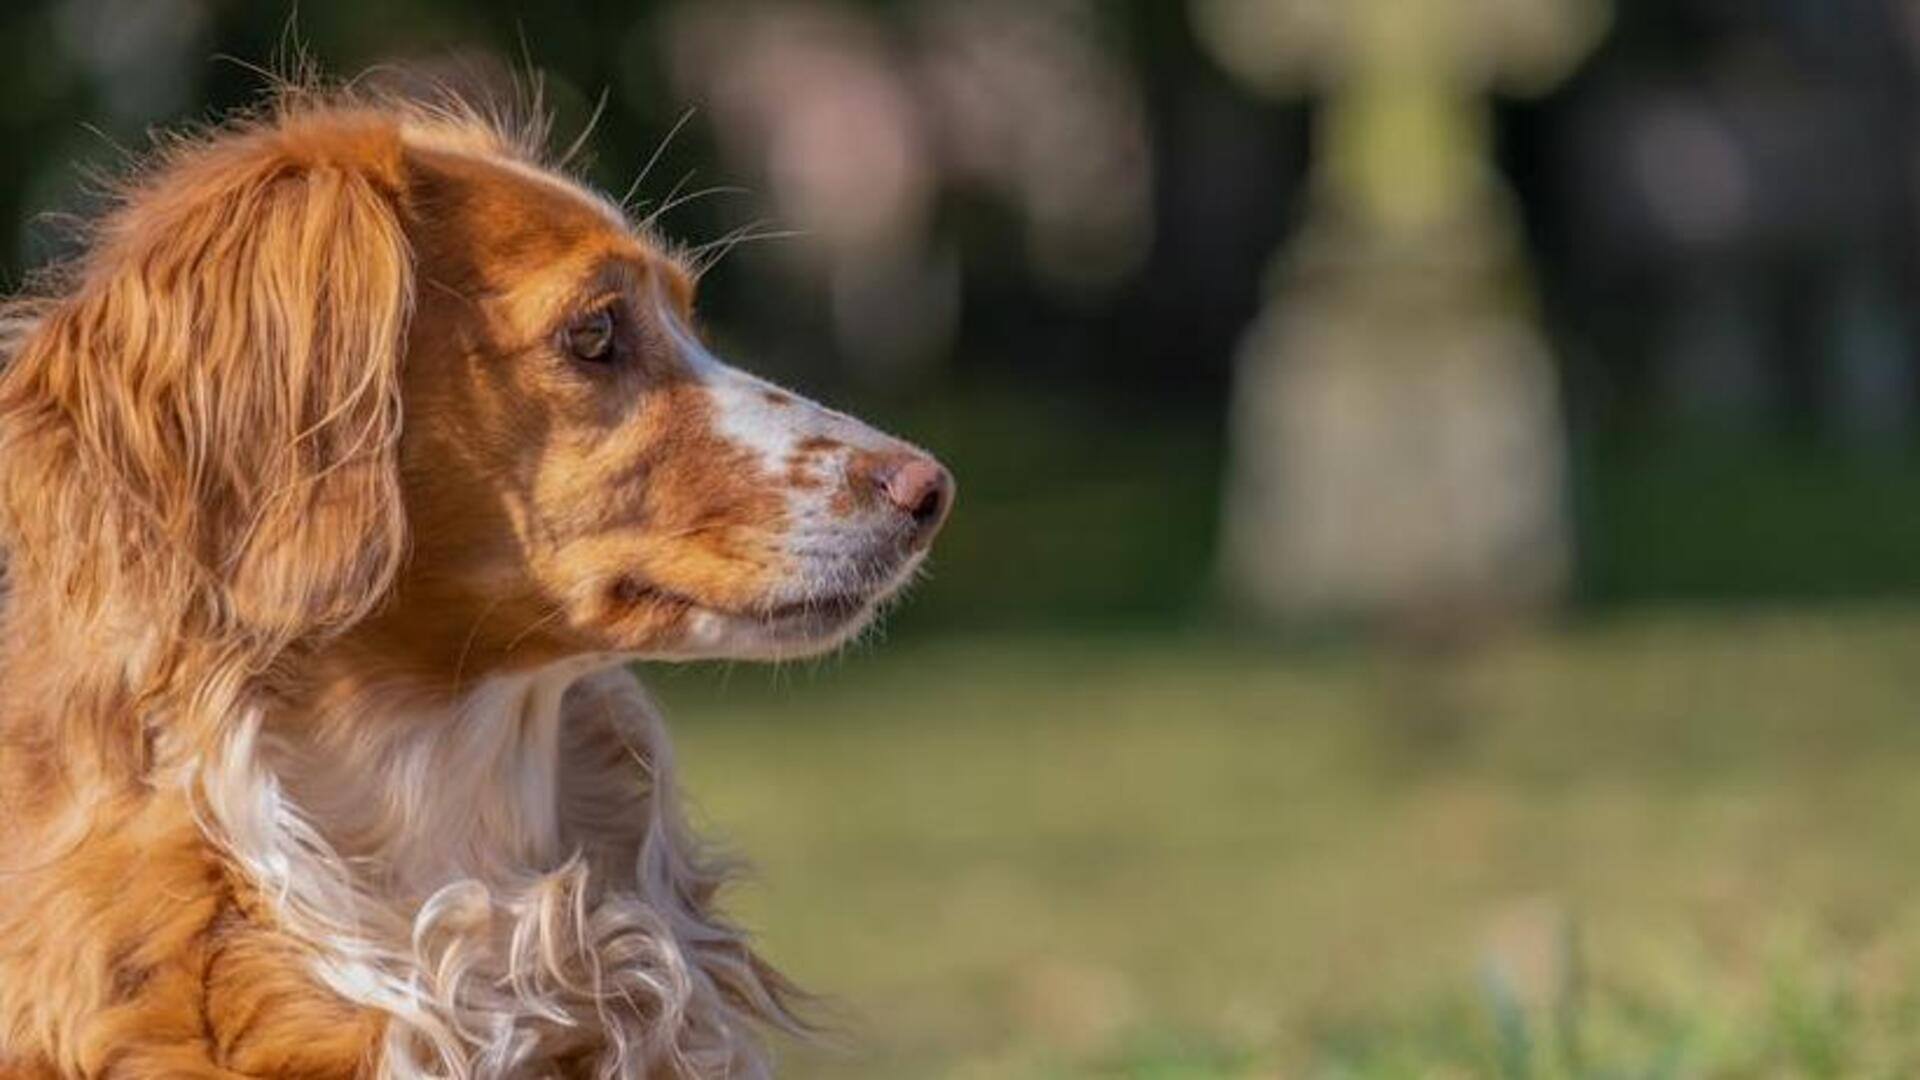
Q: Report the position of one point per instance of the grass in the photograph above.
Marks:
(1666, 846)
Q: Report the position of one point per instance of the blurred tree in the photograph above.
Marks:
(1397, 429)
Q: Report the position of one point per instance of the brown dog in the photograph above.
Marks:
(339, 480)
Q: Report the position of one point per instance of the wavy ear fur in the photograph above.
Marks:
(201, 429)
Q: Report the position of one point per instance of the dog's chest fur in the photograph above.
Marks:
(502, 878)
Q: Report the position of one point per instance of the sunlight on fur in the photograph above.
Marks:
(341, 478)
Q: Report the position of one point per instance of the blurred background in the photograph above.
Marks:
(1436, 585)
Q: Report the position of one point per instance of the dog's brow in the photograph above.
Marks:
(624, 271)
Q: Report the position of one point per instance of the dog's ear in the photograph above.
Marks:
(203, 429)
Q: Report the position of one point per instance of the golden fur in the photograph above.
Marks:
(318, 757)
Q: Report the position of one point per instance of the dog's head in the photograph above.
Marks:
(576, 455)
(373, 372)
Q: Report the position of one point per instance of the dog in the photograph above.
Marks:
(343, 475)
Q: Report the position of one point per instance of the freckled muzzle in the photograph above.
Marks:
(863, 511)
(849, 546)
(842, 517)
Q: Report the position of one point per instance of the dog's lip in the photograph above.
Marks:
(825, 607)
(832, 606)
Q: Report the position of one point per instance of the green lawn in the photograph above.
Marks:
(1680, 845)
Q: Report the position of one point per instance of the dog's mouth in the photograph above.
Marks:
(819, 599)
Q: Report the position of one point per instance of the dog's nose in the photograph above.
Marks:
(920, 488)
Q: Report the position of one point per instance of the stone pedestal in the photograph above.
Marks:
(1398, 444)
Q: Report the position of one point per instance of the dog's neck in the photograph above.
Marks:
(429, 781)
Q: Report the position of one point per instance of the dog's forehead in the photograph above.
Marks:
(496, 218)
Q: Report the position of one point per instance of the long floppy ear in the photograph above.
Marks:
(202, 431)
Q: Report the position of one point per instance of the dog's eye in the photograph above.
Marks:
(590, 337)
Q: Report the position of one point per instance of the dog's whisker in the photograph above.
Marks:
(646, 224)
(580, 141)
(633, 189)
(706, 257)
(675, 200)
(473, 634)
(557, 613)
